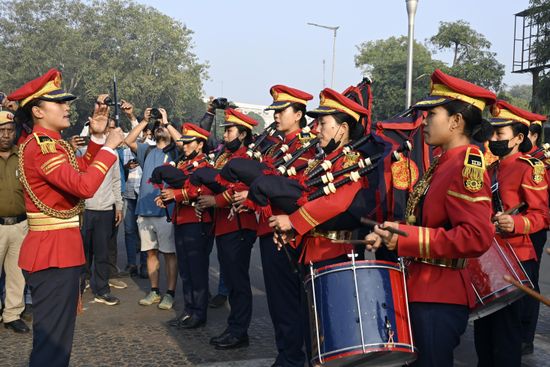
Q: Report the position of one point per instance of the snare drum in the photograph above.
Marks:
(487, 271)
(359, 314)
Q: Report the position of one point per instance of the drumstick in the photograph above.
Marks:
(527, 290)
(355, 242)
(373, 223)
(513, 210)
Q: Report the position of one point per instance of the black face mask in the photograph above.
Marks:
(499, 148)
(233, 145)
(332, 144)
(329, 148)
(192, 155)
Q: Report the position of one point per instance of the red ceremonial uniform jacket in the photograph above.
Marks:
(263, 224)
(320, 210)
(522, 178)
(456, 223)
(184, 212)
(224, 200)
(60, 186)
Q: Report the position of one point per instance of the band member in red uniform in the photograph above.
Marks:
(530, 307)
(338, 125)
(282, 286)
(235, 235)
(193, 233)
(448, 219)
(517, 177)
(55, 183)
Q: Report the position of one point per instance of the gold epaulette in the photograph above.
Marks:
(538, 167)
(305, 137)
(474, 169)
(46, 144)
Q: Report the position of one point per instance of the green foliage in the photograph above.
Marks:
(386, 62)
(518, 95)
(472, 59)
(150, 53)
(259, 119)
(541, 16)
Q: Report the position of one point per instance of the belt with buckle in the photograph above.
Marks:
(332, 235)
(44, 222)
(444, 263)
(8, 221)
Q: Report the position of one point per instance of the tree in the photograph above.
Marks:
(518, 95)
(386, 62)
(150, 53)
(541, 49)
(472, 59)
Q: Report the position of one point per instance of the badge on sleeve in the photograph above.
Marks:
(474, 168)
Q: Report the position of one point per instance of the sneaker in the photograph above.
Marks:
(107, 299)
(118, 284)
(151, 298)
(218, 301)
(166, 303)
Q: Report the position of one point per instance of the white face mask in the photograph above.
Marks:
(150, 141)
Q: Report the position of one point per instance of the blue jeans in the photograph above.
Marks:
(131, 233)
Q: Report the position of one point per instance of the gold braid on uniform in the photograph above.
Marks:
(418, 193)
(63, 214)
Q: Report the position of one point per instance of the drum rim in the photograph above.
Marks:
(358, 350)
(385, 264)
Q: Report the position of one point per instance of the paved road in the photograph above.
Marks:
(133, 335)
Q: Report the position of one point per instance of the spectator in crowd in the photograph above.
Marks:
(132, 177)
(13, 225)
(103, 212)
(156, 233)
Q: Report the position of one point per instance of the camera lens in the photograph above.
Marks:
(155, 114)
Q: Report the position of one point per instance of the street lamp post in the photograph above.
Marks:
(411, 11)
(333, 29)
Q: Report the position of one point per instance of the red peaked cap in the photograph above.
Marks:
(504, 114)
(446, 88)
(283, 96)
(191, 132)
(332, 102)
(234, 117)
(46, 87)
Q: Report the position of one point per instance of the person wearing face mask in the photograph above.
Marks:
(56, 182)
(338, 118)
(193, 233)
(531, 306)
(448, 219)
(517, 177)
(235, 235)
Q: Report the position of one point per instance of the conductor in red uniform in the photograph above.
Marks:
(448, 219)
(56, 182)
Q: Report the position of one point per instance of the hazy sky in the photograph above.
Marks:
(251, 45)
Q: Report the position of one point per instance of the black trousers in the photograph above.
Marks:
(284, 296)
(530, 306)
(113, 251)
(437, 328)
(193, 245)
(55, 294)
(234, 256)
(97, 228)
(497, 337)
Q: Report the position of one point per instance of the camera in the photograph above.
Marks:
(155, 114)
(2, 97)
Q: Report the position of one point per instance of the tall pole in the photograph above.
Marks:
(334, 30)
(324, 83)
(411, 11)
(333, 57)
